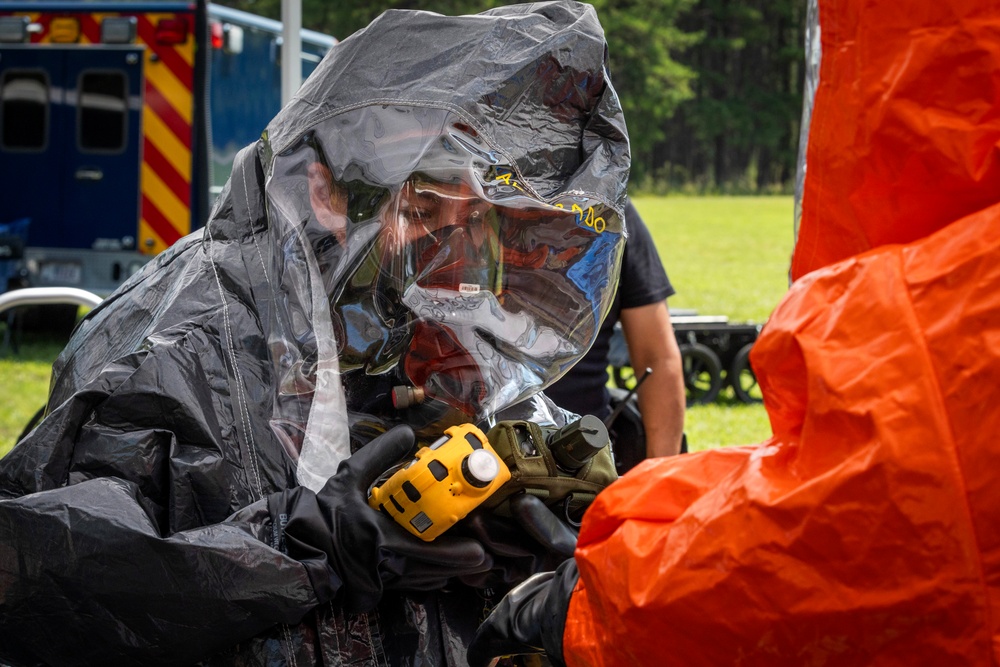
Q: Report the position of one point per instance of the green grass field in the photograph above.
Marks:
(24, 377)
(725, 256)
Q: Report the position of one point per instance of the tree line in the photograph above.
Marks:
(712, 89)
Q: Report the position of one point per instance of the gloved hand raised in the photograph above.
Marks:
(531, 618)
(353, 552)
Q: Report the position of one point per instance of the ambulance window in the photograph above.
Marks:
(24, 110)
(103, 111)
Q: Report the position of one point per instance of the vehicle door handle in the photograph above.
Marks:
(89, 174)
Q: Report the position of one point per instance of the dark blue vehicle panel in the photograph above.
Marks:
(82, 184)
(246, 87)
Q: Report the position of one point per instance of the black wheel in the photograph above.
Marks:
(702, 373)
(742, 378)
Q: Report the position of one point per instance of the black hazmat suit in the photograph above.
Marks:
(197, 413)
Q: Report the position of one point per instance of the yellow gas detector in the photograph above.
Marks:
(442, 484)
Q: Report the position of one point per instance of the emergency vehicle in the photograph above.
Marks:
(118, 124)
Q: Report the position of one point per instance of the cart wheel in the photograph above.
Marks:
(702, 373)
(742, 378)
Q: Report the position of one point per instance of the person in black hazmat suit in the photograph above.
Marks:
(437, 216)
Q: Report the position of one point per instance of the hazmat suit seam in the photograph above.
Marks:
(289, 646)
(246, 196)
(241, 401)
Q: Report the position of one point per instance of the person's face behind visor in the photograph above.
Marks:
(448, 236)
(461, 284)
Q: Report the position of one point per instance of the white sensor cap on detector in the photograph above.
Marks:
(482, 466)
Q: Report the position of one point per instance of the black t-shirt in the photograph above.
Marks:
(583, 389)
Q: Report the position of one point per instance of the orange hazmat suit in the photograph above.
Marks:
(866, 531)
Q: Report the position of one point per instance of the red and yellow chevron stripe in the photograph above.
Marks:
(168, 107)
(167, 114)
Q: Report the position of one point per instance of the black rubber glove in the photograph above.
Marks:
(352, 552)
(532, 540)
(529, 619)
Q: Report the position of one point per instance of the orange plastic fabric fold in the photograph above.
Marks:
(867, 530)
(905, 126)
